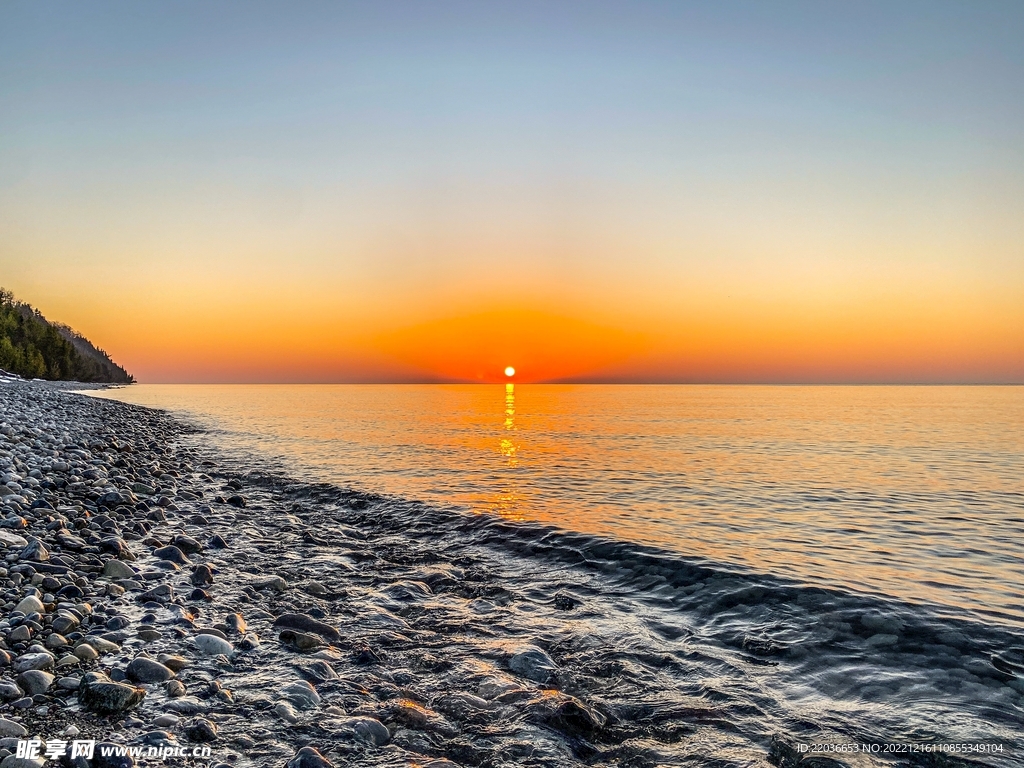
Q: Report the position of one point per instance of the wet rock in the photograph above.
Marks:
(30, 604)
(217, 542)
(100, 694)
(159, 594)
(276, 583)
(187, 544)
(201, 730)
(35, 681)
(368, 730)
(29, 661)
(10, 691)
(533, 664)
(146, 670)
(299, 641)
(235, 623)
(571, 716)
(237, 501)
(64, 622)
(118, 569)
(175, 689)
(173, 662)
(308, 624)
(201, 576)
(9, 728)
(34, 552)
(286, 711)
(211, 645)
(301, 694)
(308, 757)
(318, 671)
(86, 652)
(172, 554)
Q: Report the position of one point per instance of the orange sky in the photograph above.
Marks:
(649, 194)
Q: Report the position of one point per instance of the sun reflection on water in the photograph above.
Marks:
(506, 503)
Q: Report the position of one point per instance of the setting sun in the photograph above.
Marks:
(510, 371)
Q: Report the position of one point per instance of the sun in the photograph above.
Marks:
(510, 371)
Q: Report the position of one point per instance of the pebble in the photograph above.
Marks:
(533, 664)
(308, 624)
(211, 645)
(201, 729)
(30, 604)
(308, 757)
(10, 728)
(301, 694)
(369, 730)
(116, 569)
(35, 681)
(146, 670)
(100, 694)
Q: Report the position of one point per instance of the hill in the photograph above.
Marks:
(33, 347)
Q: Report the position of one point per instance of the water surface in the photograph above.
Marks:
(915, 493)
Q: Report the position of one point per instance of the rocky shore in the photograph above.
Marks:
(154, 598)
(158, 595)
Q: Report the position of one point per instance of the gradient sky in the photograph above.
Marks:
(817, 191)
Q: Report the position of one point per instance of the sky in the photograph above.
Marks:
(412, 191)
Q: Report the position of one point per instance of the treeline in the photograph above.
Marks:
(33, 347)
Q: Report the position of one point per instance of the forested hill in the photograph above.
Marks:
(33, 347)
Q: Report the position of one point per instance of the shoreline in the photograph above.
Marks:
(280, 617)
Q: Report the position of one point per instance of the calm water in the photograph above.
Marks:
(911, 492)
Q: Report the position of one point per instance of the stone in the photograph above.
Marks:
(533, 664)
(308, 757)
(30, 604)
(8, 539)
(33, 661)
(35, 552)
(318, 671)
(235, 623)
(118, 569)
(187, 544)
(201, 576)
(276, 583)
(64, 622)
(69, 683)
(9, 691)
(211, 645)
(159, 594)
(10, 728)
(173, 662)
(146, 670)
(299, 641)
(286, 711)
(86, 652)
(98, 693)
(166, 720)
(35, 681)
(301, 694)
(306, 623)
(173, 554)
(201, 730)
(368, 730)
(20, 634)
